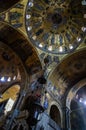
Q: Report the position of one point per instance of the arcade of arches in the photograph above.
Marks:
(42, 64)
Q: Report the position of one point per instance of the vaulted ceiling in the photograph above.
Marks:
(48, 30)
(20, 45)
(69, 72)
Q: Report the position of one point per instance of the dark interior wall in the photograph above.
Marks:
(78, 110)
(6, 4)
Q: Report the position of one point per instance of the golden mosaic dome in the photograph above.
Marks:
(55, 26)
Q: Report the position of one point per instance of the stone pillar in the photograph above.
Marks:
(66, 119)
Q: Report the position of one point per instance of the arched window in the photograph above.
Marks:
(8, 98)
(55, 114)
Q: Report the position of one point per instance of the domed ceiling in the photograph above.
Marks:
(70, 71)
(11, 69)
(19, 62)
(45, 29)
(56, 26)
(19, 44)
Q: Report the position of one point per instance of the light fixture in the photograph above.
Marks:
(85, 102)
(50, 48)
(34, 37)
(40, 45)
(80, 100)
(14, 78)
(71, 46)
(30, 4)
(29, 28)
(9, 79)
(78, 39)
(61, 49)
(83, 29)
(2, 79)
(28, 16)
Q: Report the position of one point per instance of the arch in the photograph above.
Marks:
(19, 43)
(12, 69)
(58, 111)
(69, 72)
(73, 92)
(78, 107)
(11, 92)
(9, 98)
(55, 114)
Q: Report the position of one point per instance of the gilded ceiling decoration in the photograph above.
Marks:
(55, 26)
(71, 70)
(11, 69)
(18, 63)
(11, 92)
(52, 29)
(19, 44)
(16, 17)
